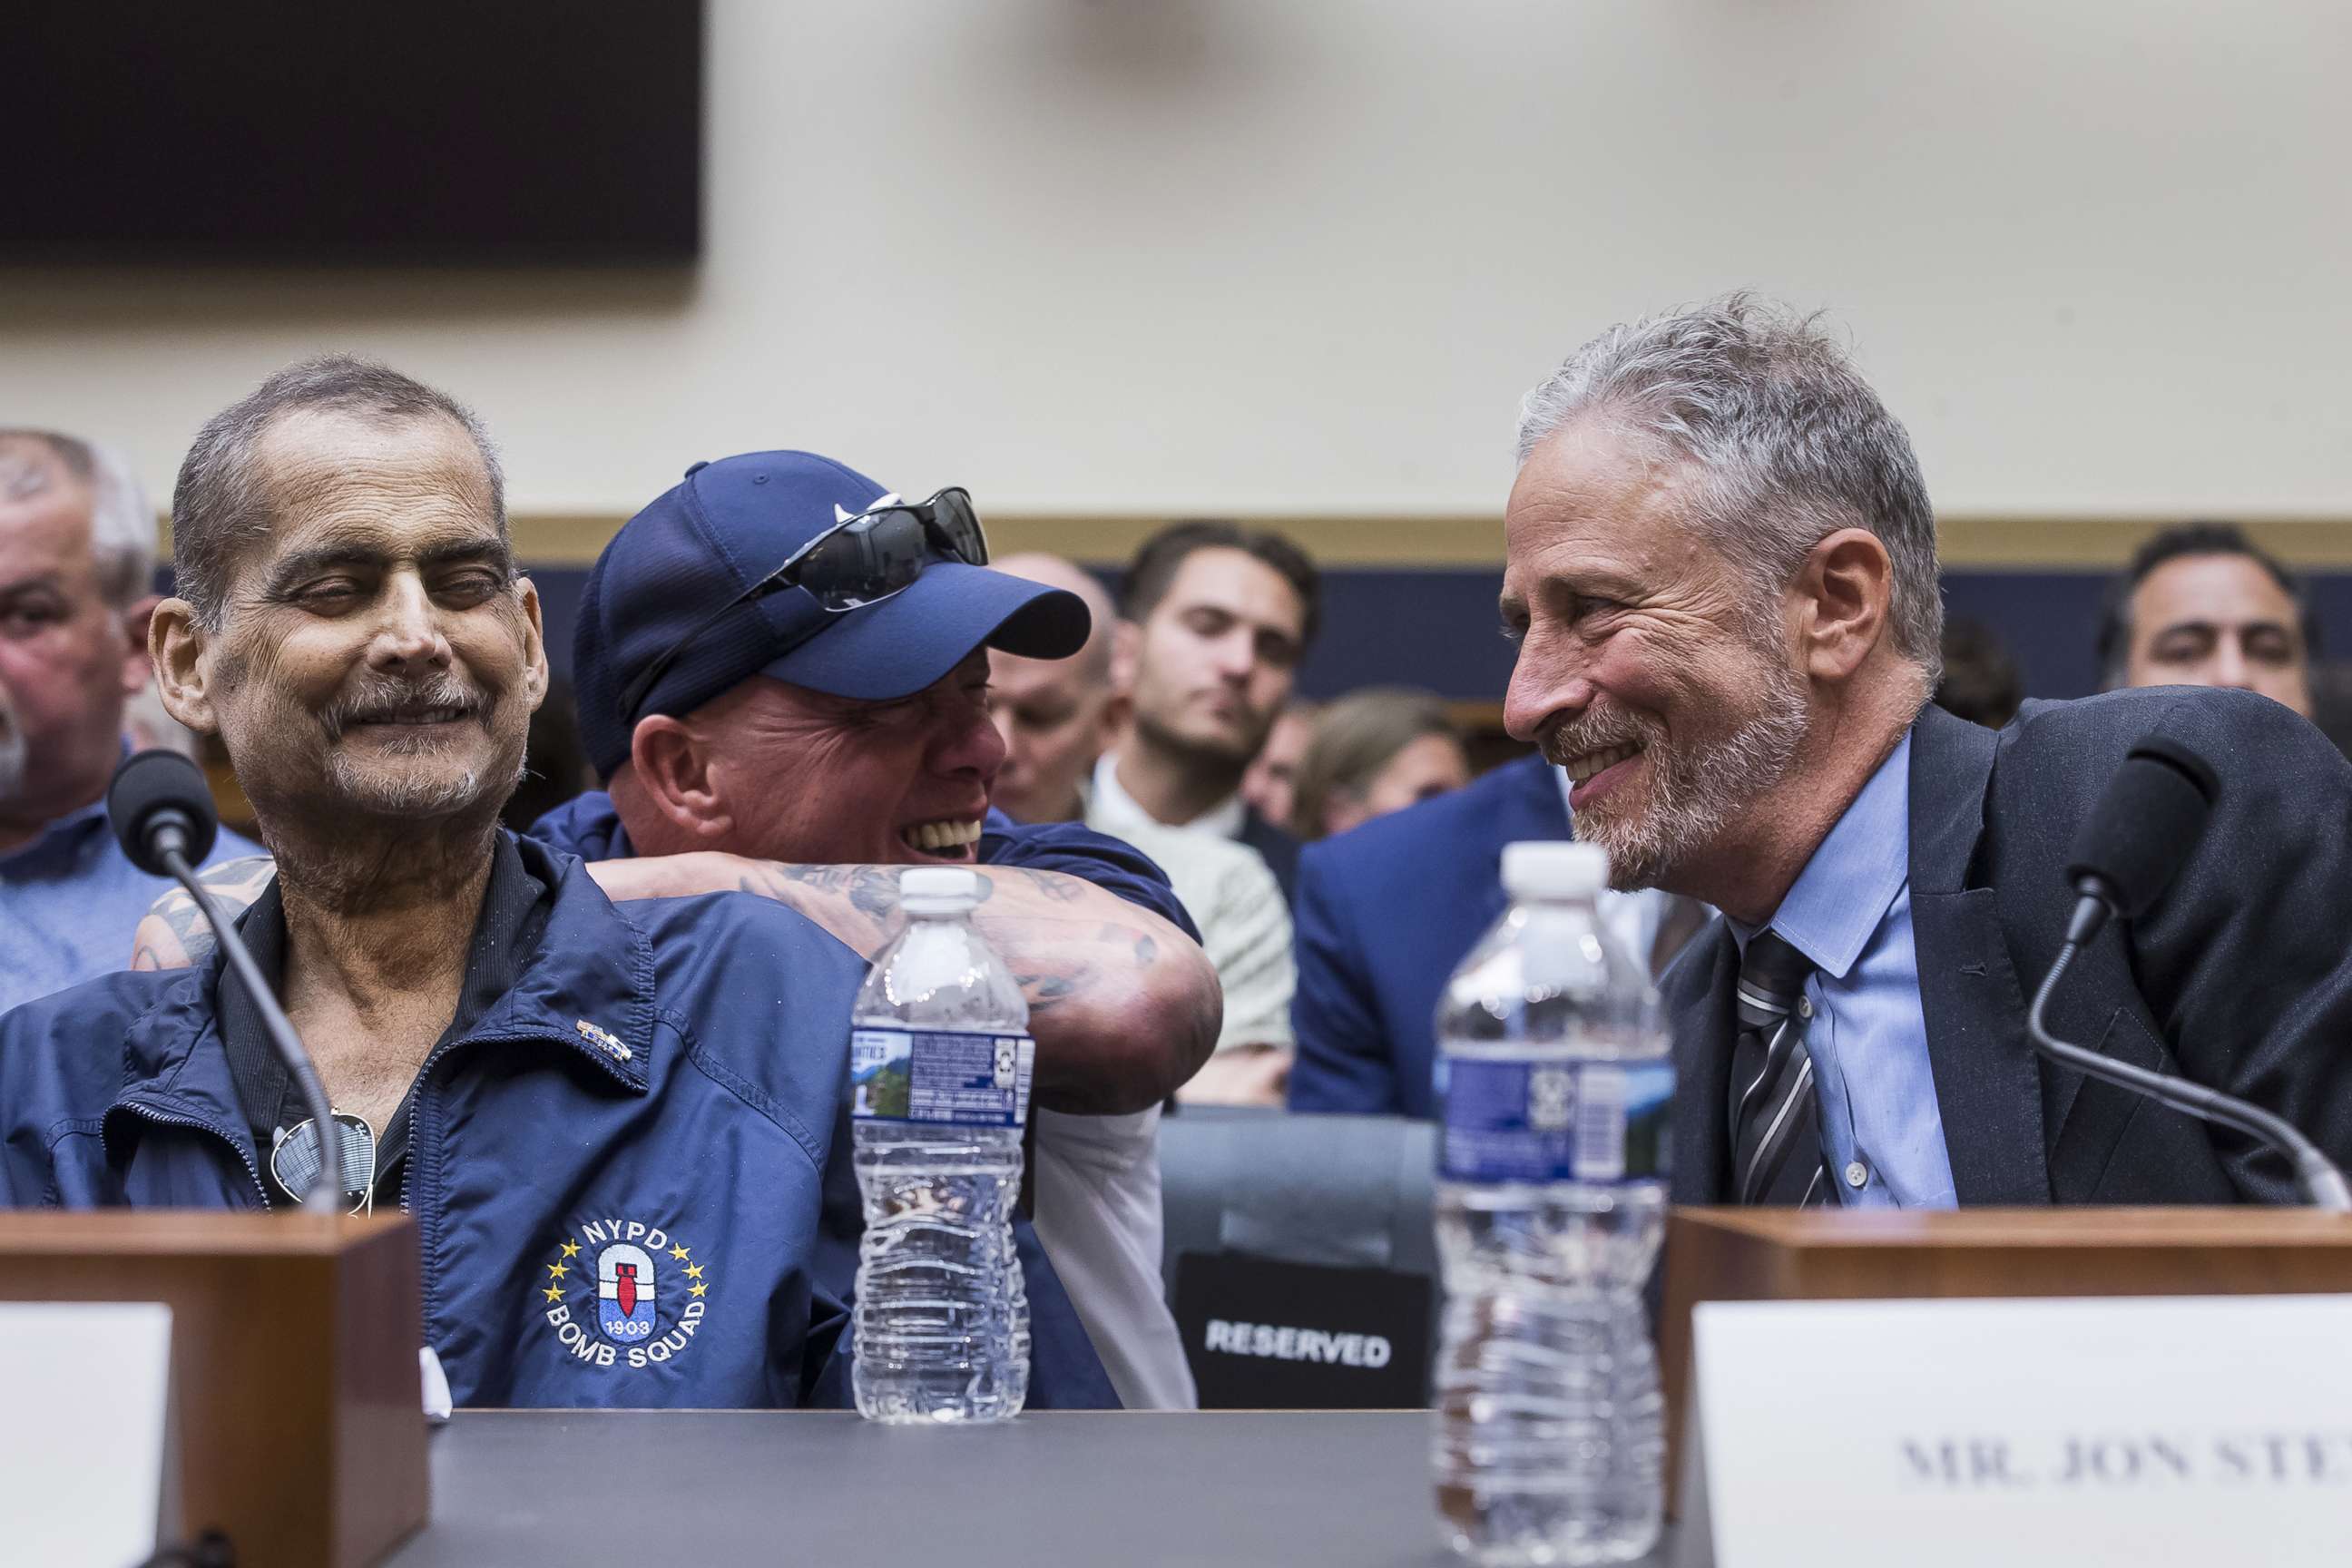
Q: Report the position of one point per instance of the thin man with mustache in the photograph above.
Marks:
(555, 1084)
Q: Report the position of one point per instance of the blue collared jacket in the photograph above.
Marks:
(618, 1173)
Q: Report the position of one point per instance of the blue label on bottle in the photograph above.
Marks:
(943, 1077)
(1520, 1121)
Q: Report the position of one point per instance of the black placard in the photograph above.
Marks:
(1267, 1335)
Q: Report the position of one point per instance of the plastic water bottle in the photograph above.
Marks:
(940, 1065)
(1556, 1082)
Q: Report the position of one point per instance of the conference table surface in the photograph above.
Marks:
(720, 1488)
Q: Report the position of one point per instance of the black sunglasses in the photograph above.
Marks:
(857, 561)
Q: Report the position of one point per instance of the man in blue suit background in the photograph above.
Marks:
(1383, 914)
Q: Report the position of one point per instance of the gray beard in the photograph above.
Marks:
(1694, 794)
(413, 796)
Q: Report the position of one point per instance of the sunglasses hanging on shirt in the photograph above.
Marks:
(294, 1160)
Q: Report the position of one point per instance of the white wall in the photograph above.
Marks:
(1302, 255)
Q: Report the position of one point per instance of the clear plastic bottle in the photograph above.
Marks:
(1556, 1083)
(939, 1064)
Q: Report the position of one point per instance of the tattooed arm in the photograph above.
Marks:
(1123, 1005)
(175, 934)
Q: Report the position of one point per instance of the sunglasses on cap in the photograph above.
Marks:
(857, 561)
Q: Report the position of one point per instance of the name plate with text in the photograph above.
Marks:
(1953, 1433)
(86, 1473)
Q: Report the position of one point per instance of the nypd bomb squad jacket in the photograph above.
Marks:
(617, 1172)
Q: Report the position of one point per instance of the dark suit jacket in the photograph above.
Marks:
(1382, 915)
(2240, 978)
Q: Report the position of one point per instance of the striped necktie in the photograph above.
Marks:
(1776, 1137)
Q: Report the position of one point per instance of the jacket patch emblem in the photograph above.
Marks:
(623, 1293)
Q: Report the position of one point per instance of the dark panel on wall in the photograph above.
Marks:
(289, 131)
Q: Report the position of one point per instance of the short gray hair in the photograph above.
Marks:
(1789, 442)
(121, 522)
(221, 502)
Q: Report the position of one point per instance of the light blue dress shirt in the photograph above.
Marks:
(1850, 913)
(70, 900)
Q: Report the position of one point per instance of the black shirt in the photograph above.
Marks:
(514, 913)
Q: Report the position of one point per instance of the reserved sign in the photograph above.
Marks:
(1263, 1334)
(1958, 1434)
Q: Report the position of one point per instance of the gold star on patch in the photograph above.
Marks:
(679, 1252)
(571, 1249)
(694, 1271)
(696, 1290)
(553, 1293)
(558, 1270)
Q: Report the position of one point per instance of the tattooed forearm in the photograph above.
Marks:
(1053, 885)
(1044, 991)
(175, 935)
(1123, 1005)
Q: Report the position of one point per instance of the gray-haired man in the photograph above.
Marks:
(1721, 573)
(77, 556)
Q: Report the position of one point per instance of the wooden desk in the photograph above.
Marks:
(283, 1326)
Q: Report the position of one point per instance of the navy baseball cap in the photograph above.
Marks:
(729, 524)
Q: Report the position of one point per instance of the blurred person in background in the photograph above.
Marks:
(1269, 785)
(1374, 751)
(77, 566)
(1981, 682)
(1056, 716)
(2202, 604)
(1216, 618)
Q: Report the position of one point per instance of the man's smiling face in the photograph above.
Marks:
(807, 778)
(1648, 667)
(377, 653)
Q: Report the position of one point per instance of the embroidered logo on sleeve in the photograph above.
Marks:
(623, 1293)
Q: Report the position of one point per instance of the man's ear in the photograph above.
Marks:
(1111, 720)
(175, 645)
(534, 641)
(671, 767)
(1126, 651)
(1843, 593)
(138, 665)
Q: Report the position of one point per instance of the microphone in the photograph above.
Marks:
(2126, 854)
(163, 814)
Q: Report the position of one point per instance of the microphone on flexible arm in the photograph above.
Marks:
(163, 812)
(2126, 854)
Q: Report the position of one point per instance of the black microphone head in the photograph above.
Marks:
(156, 789)
(2146, 824)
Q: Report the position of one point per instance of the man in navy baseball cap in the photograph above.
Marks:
(780, 662)
(792, 566)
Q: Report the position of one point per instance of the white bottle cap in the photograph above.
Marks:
(1550, 868)
(938, 884)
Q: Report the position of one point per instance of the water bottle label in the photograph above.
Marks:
(1555, 1121)
(951, 1076)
